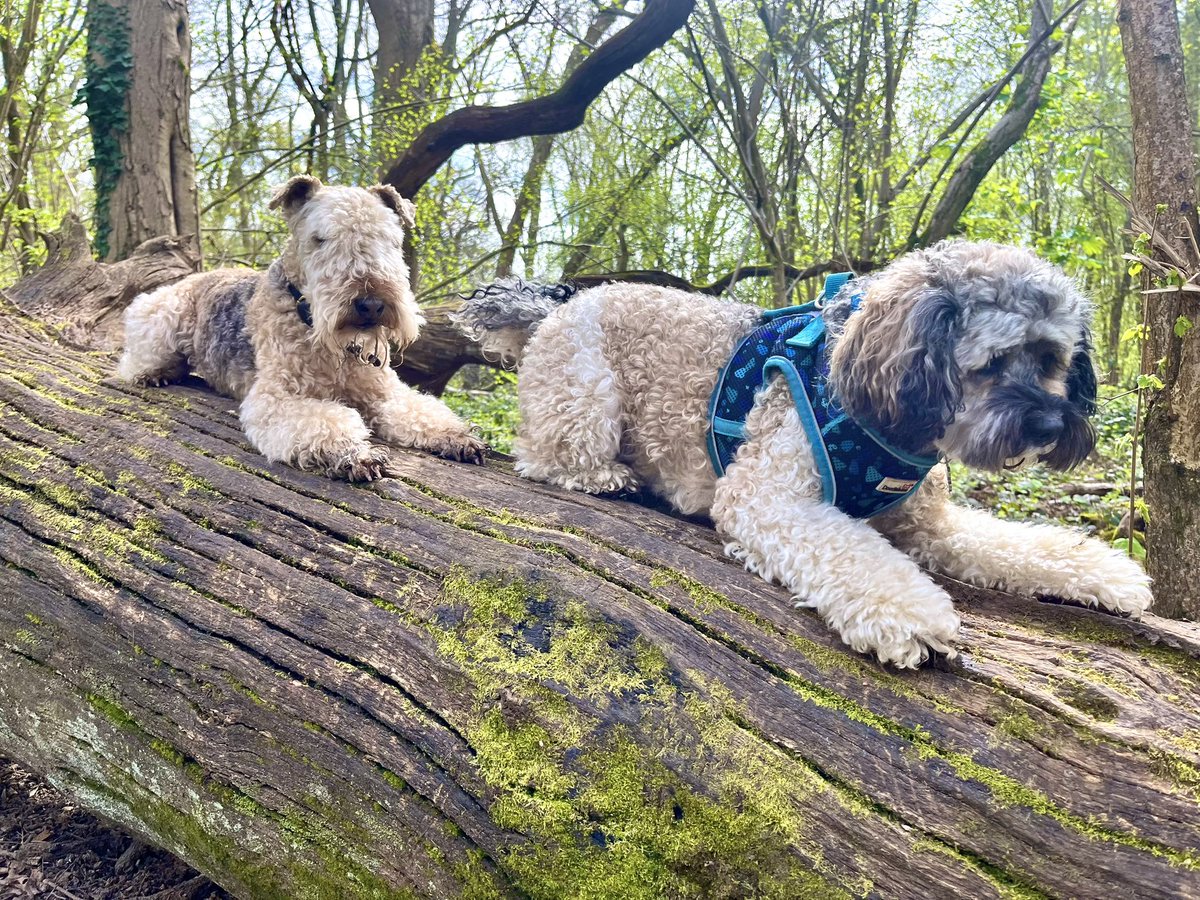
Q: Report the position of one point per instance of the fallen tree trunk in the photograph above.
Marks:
(455, 682)
(84, 299)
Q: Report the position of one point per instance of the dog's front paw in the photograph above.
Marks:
(1109, 580)
(364, 464)
(903, 628)
(464, 447)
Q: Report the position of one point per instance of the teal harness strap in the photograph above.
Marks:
(860, 473)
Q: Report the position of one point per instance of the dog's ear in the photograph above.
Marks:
(929, 390)
(1081, 376)
(295, 193)
(405, 209)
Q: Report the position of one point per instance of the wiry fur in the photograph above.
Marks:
(501, 316)
(308, 397)
(972, 350)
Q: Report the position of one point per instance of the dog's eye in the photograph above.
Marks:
(1050, 363)
(994, 367)
(318, 240)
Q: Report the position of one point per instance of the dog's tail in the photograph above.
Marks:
(503, 316)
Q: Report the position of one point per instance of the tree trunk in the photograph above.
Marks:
(138, 95)
(1165, 177)
(405, 29)
(455, 682)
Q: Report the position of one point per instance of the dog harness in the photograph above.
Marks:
(860, 473)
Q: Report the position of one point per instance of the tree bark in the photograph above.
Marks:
(1165, 177)
(455, 682)
(138, 96)
(83, 299)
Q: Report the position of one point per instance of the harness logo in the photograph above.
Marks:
(895, 486)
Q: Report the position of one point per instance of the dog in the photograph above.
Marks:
(974, 351)
(305, 346)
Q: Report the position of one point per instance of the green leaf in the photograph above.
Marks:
(1182, 326)
(1134, 333)
(1151, 382)
(1139, 552)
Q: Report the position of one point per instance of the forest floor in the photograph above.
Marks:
(50, 848)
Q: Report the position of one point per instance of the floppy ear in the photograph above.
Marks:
(1081, 376)
(929, 390)
(405, 209)
(295, 193)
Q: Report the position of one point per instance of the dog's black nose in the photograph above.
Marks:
(1044, 426)
(368, 310)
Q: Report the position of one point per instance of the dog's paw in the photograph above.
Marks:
(368, 464)
(1113, 582)
(902, 629)
(611, 478)
(463, 447)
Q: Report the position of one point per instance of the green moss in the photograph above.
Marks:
(604, 815)
(1177, 770)
(704, 597)
(1017, 725)
(1188, 739)
(1086, 699)
(246, 692)
(478, 882)
(619, 823)
(69, 560)
(189, 481)
(113, 712)
(62, 495)
(513, 633)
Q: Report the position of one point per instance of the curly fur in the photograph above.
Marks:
(307, 398)
(973, 350)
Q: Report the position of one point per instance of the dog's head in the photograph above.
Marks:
(346, 256)
(976, 350)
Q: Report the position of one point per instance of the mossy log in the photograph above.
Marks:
(456, 683)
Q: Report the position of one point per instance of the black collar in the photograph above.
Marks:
(303, 310)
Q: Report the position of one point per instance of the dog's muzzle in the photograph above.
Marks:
(1024, 420)
(367, 312)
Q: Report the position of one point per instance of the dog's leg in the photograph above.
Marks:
(154, 335)
(402, 415)
(1019, 557)
(767, 506)
(571, 411)
(311, 434)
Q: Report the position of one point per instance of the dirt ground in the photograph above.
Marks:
(51, 848)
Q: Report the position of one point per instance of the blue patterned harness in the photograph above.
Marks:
(860, 473)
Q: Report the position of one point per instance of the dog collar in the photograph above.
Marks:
(303, 310)
(860, 472)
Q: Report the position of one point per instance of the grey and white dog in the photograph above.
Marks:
(974, 351)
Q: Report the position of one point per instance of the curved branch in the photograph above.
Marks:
(560, 111)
